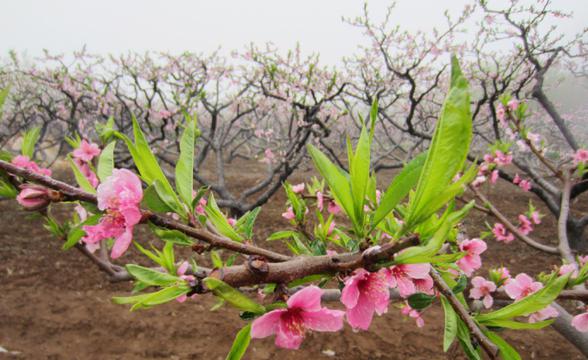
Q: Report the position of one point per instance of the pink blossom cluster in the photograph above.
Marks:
(24, 162)
(119, 196)
(516, 288)
(83, 156)
(522, 183)
(489, 168)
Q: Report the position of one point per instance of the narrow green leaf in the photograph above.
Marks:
(420, 301)
(173, 236)
(30, 139)
(507, 352)
(399, 188)
(517, 325)
(450, 331)
(151, 276)
(185, 164)
(106, 162)
(155, 298)
(153, 202)
(80, 178)
(240, 344)
(449, 146)
(219, 221)
(337, 181)
(232, 296)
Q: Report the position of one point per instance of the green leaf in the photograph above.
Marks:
(80, 178)
(420, 301)
(106, 162)
(217, 262)
(151, 276)
(423, 254)
(185, 164)
(154, 298)
(7, 190)
(449, 146)
(30, 139)
(359, 172)
(76, 234)
(462, 282)
(232, 296)
(149, 169)
(450, 331)
(173, 236)
(517, 325)
(336, 179)
(285, 234)
(240, 344)
(507, 352)
(245, 224)
(219, 221)
(399, 188)
(529, 304)
(153, 202)
(463, 334)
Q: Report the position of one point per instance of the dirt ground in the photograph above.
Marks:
(56, 305)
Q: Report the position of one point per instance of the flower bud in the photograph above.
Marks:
(35, 197)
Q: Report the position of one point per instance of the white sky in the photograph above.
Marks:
(114, 26)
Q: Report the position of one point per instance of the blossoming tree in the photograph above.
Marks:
(398, 245)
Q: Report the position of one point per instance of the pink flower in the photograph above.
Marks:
(516, 180)
(494, 176)
(500, 276)
(424, 286)
(472, 260)
(408, 311)
(289, 214)
(33, 197)
(86, 151)
(513, 105)
(478, 181)
(232, 221)
(525, 225)
(200, 207)
(319, 200)
(483, 288)
(521, 286)
(365, 293)
(331, 227)
(181, 271)
(501, 234)
(24, 162)
(333, 208)
(583, 260)
(304, 312)
(298, 189)
(403, 275)
(502, 159)
(536, 217)
(580, 322)
(525, 185)
(580, 157)
(120, 196)
(500, 114)
(269, 157)
(87, 172)
(568, 268)
(544, 314)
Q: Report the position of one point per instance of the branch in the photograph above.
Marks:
(73, 193)
(487, 345)
(511, 227)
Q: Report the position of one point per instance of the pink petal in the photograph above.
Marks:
(266, 324)
(287, 339)
(488, 301)
(580, 322)
(360, 316)
(121, 244)
(324, 320)
(308, 299)
(405, 287)
(417, 271)
(350, 293)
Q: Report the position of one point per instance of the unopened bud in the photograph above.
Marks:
(34, 197)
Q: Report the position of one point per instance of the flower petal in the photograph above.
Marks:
(266, 324)
(323, 320)
(308, 299)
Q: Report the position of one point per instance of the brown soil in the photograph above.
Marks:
(56, 305)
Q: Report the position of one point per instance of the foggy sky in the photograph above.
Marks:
(115, 26)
